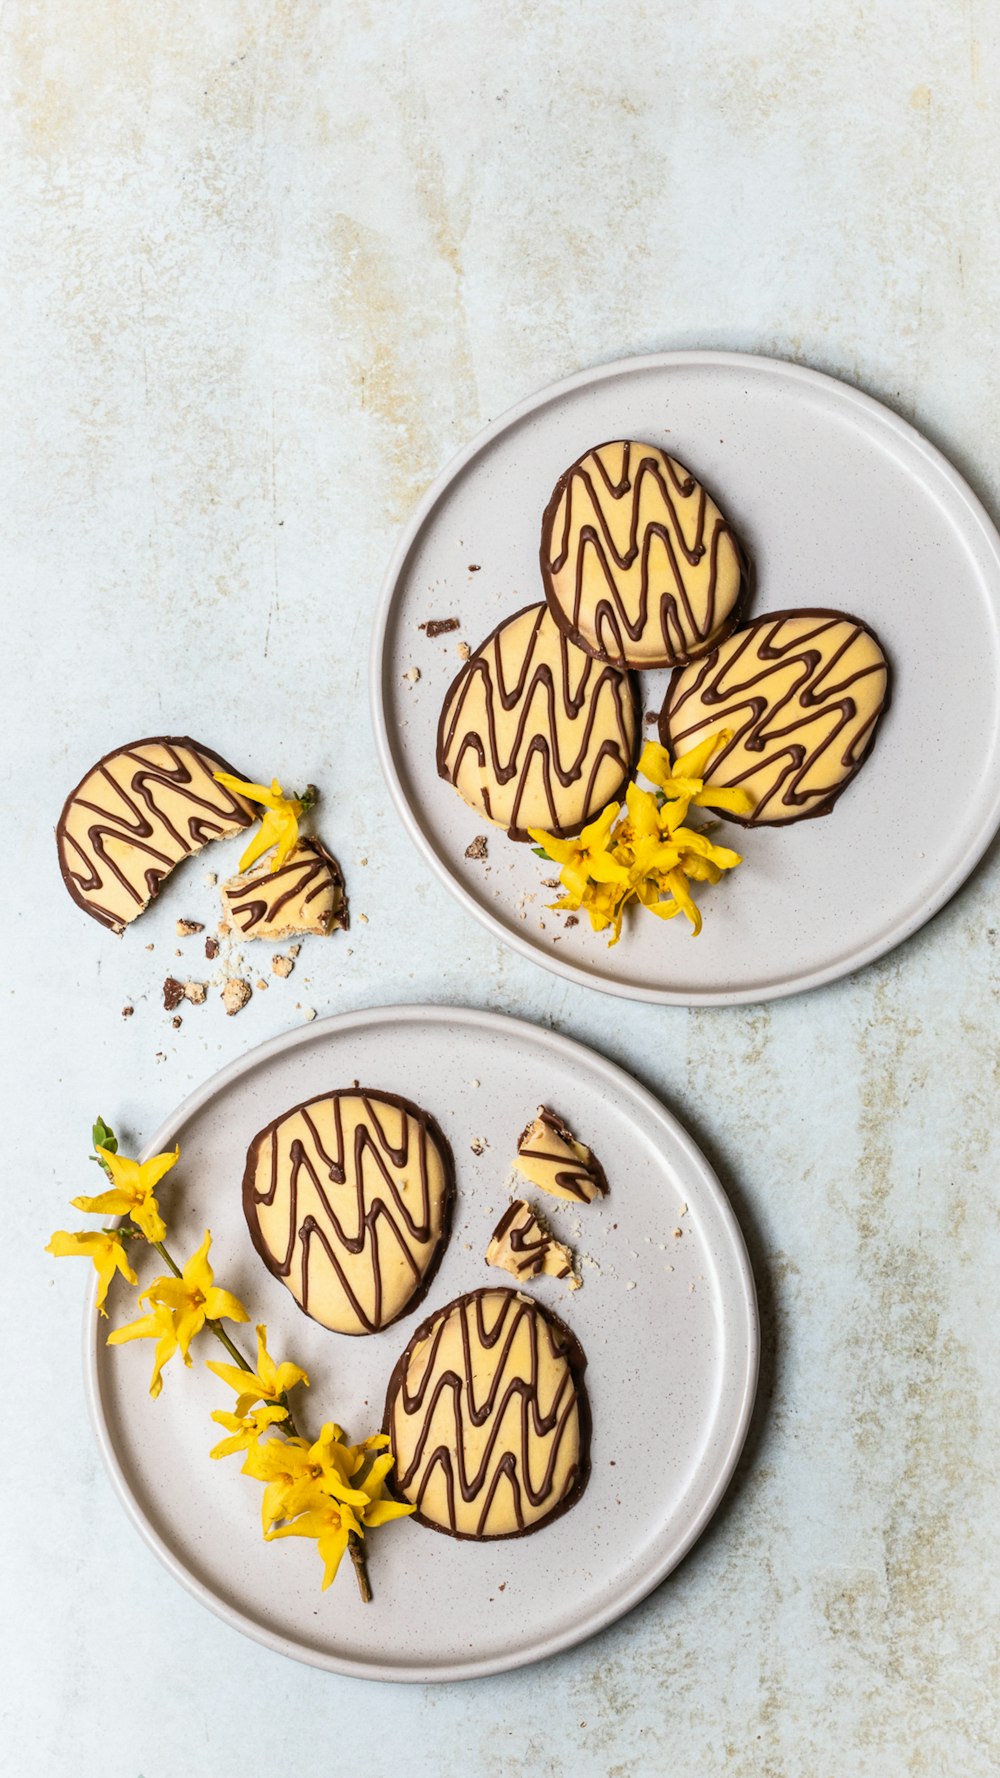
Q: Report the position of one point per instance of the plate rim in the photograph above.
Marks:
(743, 1304)
(937, 463)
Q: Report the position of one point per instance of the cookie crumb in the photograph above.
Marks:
(631, 1284)
(478, 1144)
(281, 965)
(177, 1021)
(411, 675)
(210, 879)
(223, 929)
(293, 950)
(438, 626)
(363, 918)
(479, 847)
(308, 1013)
(188, 928)
(235, 994)
(127, 1011)
(463, 651)
(261, 983)
(677, 1234)
(196, 992)
(150, 947)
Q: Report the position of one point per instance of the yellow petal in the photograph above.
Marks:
(382, 1511)
(654, 764)
(694, 763)
(146, 1216)
(222, 1305)
(109, 1203)
(734, 801)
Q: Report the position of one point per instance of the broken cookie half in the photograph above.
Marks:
(138, 812)
(551, 1157)
(304, 895)
(522, 1244)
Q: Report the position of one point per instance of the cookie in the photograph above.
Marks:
(551, 1157)
(488, 1418)
(348, 1199)
(534, 732)
(305, 894)
(639, 566)
(522, 1245)
(137, 814)
(803, 692)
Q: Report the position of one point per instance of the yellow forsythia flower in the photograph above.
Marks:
(244, 1429)
(684, 781)
(328, 1469)
(279, 1463)
(280, 823)
(179, 1309)
(330, 1522)
(104, 1249)
(381, 1509)
(133, 1184)
(267, 1383)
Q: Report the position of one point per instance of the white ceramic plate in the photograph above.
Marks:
(842, 504)
(671, 1373)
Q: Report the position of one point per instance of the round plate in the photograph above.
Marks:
(842, 504)
(669, 1327)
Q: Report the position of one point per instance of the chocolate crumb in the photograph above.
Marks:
(474, 567)
(211, 949)
(235, 994)
(438, 626)
(177, 1021)
(173, 993)
(127, 1011)
(651, 718)
(479, 847)
(188, 928)
(571, 920)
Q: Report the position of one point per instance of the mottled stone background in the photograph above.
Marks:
(266, 265)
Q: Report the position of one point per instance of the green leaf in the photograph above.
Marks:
(540, 852)
(104, 1137)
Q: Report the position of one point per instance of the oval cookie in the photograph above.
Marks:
(134, 816)
(348, 1201)
(488, 1417)
(534, 733)
(639, 566)
(803, 692)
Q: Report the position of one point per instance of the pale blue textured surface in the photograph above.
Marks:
(267, 267)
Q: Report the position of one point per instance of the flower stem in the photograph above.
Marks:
(220, 1333)
(357, 1555)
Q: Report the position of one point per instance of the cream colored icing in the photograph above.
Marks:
(639, 564)
(534, 733)
(802, 692)
(347, 1198)
(485, 1418)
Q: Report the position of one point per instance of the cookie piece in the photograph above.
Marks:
(639, 566)
(534, 733)
(305, 894)
(551, 1157)
(134, 816)
(803, 692)
(521, 1244)
(488, 1417)
(348, 1199)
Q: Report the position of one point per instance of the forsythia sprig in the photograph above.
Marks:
(326, 1490)
(279, 825)
(648, 856)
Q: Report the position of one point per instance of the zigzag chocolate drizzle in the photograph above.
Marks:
(533, 732)
(522, 1244)
(488, 1417)
(134, 816)
(803, 691)
(639, 566)
(350, 1213)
